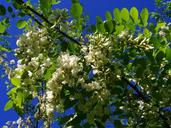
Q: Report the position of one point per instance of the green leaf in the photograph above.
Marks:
(147, 33)
(45, 5)
(168, 54)
(49, 72)
(108, 16)
(119, 28)
(134, 14)
(19, 99)
(16, 81)
(55, 2)
(3, 49)
(160, 55)
(2, 28)
(108, 26)
(100, 24)
(12, 91)
(144, 16)
(10, 9)
(8, 105)
(21, 24)
(159, 25)
(2, 10)
(125, 14)
(117, 15)
(76, 10)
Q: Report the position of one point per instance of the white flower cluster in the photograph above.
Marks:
(19, 123)
(69, 62)
(32, 43)
(98, 51)
(71, 71)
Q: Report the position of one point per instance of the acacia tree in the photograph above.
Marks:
(122, 62)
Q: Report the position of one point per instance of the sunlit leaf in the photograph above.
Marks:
(16, 81)
(147, 33)
(21, 24)
(117, 14)
(3, 49)
(19, 101)
(2, 28)
(125, 14)
(144, 16)
(159, 25)
(55, 2)
(108, 16)
(134, 14)
(8, 105)
(45, 5)
(100, 24)
(76, 10)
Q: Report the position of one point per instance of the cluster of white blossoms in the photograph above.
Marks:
(71, 71)
(65, 74)
(33, 59)
(98, 52)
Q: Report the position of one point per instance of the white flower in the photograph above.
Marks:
(70, 62)
(40, 56)
(49, 96)
(141, 104)
(49, 109)
(123, 34)
(92, 86)
(47, 62)
(19, 42)
(162, 34)
(30, 73)
(19, 121)
(28, 34)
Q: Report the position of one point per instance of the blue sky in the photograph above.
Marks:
(93, 8)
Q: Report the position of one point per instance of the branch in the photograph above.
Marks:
(36, 20)
(48, 22)
(144, 98)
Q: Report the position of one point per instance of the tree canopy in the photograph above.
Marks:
(116, 71)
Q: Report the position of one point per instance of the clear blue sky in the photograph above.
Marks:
(93, 8)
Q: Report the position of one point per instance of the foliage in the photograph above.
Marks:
(124, 63)
(163, 8)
